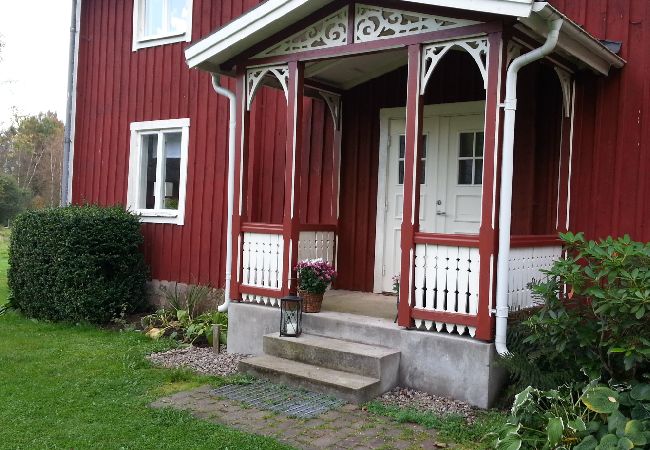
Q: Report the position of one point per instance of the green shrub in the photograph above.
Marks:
(595, 320)
(78, 263)
(598, 418)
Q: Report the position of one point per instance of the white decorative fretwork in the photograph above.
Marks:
(565, 82)
(433, 53)
(255, 76)
(334, 103)
(446, 280)
(317, 244)
(525, 265)
(374, 22)
(332, 31)
(262, 256)
(513, 51)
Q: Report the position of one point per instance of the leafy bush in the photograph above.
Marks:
(600, 418)
(78, 263)
(595, 319)
(181, 320)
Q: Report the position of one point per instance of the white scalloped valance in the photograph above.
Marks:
(332, 31)
(374, 22)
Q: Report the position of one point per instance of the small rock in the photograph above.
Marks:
(441, 406)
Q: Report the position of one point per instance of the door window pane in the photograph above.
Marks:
(401, 159)
(470, 158)
(465, 171)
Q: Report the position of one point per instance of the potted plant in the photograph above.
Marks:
(314, 277)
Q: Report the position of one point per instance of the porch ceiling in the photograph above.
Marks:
(345, 73)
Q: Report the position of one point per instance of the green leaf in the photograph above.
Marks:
(641, 392)
(521, 398)
(577, 425)
(608, 442)
(625, 444)
(641, 411)
(616, 423)
(588, 443)
(554, 430)
(600, 399)
(510, 442)
(634, 431)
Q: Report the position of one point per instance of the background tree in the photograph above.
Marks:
(31, 151)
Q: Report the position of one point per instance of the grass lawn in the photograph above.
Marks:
(64, 386)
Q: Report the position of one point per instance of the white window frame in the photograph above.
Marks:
(141, 41)
(136, 183)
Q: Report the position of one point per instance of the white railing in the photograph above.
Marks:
(526, 265)
(262, 256)
(317, 244)
(446, 280)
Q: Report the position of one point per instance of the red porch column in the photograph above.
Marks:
(291, 221)
(489, 230)
(243, 117)
(411, 211)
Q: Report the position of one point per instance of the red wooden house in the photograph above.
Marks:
(447, 141)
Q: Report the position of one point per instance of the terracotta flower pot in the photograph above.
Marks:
(311, 302)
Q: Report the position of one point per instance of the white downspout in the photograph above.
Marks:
(505, 209)
(232, 103)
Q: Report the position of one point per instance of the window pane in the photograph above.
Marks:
(479, 144)
(179, 14)
(466, 145)
(478, 171)
(149, 161)
(465, 171)
(400, 172)
(153, 17)
(172, 151)
(402, 146)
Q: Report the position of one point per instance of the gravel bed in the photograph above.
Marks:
(199, 359)
(410, 398)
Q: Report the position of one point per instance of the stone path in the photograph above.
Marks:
(345, 428)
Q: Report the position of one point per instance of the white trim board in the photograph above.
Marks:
(385, 116)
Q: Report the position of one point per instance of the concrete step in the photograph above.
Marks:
(368, 360)
(347, 386)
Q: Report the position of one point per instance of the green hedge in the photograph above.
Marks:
(78, 263)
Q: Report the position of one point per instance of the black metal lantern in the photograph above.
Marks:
(291, 316)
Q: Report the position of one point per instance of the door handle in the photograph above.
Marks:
(441, 213)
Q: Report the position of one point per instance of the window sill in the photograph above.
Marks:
(154, 41)
(173, 217)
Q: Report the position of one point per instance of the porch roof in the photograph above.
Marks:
(273, 16)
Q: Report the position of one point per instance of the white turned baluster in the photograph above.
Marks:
(441, 281)
(474, 265)
(420, 260)
(452, 284)
(463, 284)
(430, 278)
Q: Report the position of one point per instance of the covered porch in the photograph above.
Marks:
(390, 157)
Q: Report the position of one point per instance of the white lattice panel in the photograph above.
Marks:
(317, 244)
(329, 32)
(525, 265)
(262, 256)
(375, 22)
(446, 279)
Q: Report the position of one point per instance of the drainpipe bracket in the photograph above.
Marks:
(509, 104)
(502, 311)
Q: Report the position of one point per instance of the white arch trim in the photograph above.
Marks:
(254, 77)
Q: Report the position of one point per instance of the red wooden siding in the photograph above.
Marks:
(610, 186)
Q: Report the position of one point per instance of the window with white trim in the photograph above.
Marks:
(158, 170)
(159, 22)
(470, 158)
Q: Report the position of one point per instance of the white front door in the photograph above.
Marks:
(450, 178)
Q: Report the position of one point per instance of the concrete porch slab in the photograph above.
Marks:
(443, 364)
(361, 303)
